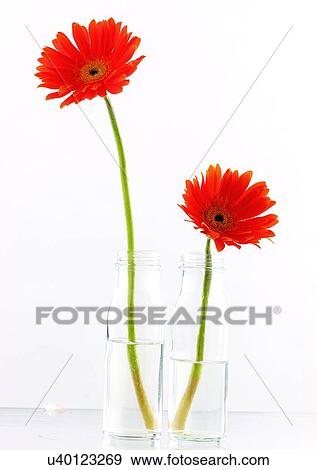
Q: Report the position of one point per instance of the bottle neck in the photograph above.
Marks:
(137, 288)
(194, 266)
(138, 259)
(145, 264)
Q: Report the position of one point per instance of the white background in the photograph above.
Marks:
(61, 211)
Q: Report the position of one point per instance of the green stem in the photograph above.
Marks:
(145, 407)
(185, 404)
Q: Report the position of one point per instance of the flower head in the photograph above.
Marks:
(100, 63)
(226, 209)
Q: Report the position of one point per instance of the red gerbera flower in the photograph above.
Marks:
(99, 64)
(225, 209)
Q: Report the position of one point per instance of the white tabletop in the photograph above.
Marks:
(81, 429)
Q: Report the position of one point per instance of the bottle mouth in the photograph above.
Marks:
(198, 260)
(138, 258)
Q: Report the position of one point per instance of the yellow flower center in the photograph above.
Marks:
(218, 219)
(93, 71)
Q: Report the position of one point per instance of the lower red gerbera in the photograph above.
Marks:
(225, 208)
(99, 64)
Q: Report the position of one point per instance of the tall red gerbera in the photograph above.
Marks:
(99, 64)
(226, 209)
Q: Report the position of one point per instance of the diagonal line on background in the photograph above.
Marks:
(268, 389)
(242, 99)
(49, 389)
(79, 106)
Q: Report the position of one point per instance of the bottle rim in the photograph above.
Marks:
(138, 258)
(197, 260)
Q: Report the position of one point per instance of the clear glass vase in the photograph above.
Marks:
(134, 350)
(198, 357)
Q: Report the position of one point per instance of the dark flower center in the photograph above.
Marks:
(219, 218)
(93, 72)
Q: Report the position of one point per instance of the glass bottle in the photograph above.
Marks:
(198, 388)
(134, 350)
